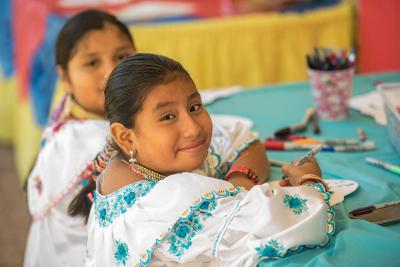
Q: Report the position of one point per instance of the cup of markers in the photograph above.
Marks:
(331, 78)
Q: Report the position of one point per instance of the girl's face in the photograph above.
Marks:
(173, 129)
(95, 56)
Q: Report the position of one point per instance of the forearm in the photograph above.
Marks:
(255, 158)
(239, 179)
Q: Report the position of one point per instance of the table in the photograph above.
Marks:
(356, 243)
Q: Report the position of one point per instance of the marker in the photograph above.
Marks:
(309, 141)
(316, 149)
(288, 130)
(383, 165)
(369, 209)
(361, 134)
(367, 146)
(277, 163)
(315, 125)
(276, 145)
(297, 127)
(290, 137)
(308, 116)
(329, 60)
(332, 142)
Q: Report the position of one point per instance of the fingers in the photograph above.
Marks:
(260, 180)
(286, 169)
(284, 183)
(313, 166)
(294, 172)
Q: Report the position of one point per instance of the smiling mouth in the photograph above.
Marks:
(194, 147)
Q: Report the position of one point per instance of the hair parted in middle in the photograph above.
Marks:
(132, 80)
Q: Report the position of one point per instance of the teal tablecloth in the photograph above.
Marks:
(356, 243)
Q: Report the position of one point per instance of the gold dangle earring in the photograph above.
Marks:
(132, 163)
(132, 158)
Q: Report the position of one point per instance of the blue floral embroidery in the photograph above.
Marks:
(297, 204)
(330, 229)
(272, 250)
(186, 229)
(109, 207)
(129, 198)
(121, 253)
(188, 226)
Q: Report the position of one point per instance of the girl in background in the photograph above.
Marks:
(157, 201)
(89, 46)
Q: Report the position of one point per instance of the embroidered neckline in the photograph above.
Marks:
(182, 233)
(203, 206)
(186, 215)
(109, 207)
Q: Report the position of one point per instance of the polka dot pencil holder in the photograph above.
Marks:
(331, 91)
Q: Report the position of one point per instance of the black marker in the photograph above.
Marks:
(315, 126)
(310, 113)
(369, 209)
(291, 129)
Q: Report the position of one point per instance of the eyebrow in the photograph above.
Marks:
(125, 47)
(118, 49)
(161, 105)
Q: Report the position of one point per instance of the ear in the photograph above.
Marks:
(124, 137)
(64, 79)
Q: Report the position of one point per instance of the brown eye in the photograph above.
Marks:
(122, 57)
(92, 63)
(168, 117)
(195, 108)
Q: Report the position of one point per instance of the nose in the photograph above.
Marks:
(108, 68)
(106, 71)
(190, 127)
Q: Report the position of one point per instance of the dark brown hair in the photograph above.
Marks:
(68, 38)
(78, 26)
(126, 89)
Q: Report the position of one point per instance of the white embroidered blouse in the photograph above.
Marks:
(200, 221)
(55, 238)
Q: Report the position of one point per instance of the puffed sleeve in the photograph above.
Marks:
(227, 143)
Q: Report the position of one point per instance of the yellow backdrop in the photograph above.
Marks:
(248, 50)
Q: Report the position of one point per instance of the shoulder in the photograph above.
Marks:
(115, 176)
(84, 127)
(76, 128)
(67, 151)
(81, 134)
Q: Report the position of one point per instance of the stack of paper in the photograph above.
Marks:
(210, 95)
(370, 104)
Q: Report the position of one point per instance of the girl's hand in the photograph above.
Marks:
(243, 181)
(294, 173)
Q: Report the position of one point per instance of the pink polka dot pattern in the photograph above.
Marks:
(331, 91)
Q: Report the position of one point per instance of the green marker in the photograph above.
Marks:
(386, 166)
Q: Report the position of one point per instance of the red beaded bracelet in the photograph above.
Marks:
(242, 169)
